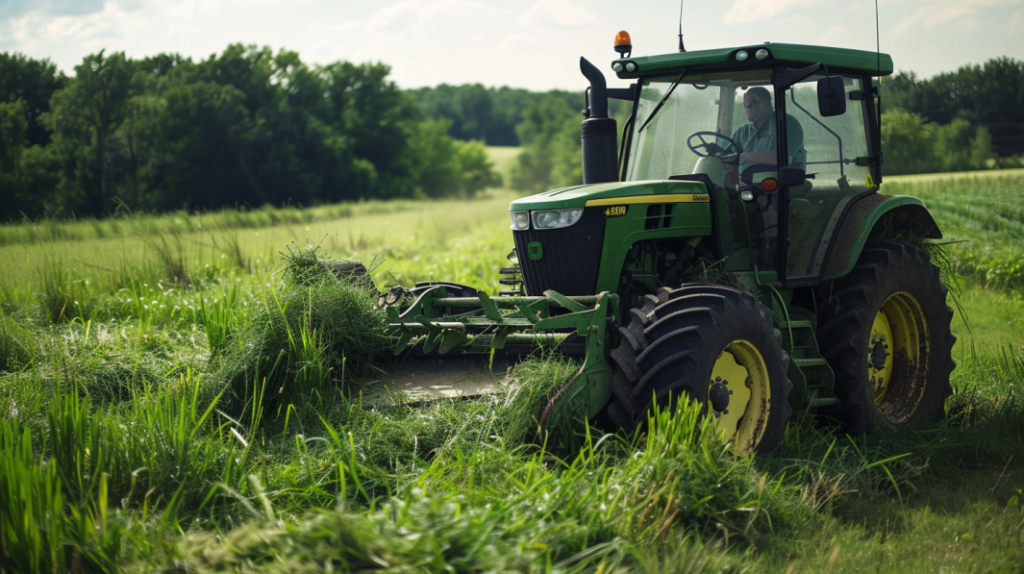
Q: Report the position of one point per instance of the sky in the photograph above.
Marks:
(533, 44)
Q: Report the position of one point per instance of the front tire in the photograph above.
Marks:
(884, 329)
(714, 345)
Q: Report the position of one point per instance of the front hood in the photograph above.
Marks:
(579, 195)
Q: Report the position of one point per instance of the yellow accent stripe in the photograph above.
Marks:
(673, 198)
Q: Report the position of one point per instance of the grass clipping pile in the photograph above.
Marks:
(317, 330)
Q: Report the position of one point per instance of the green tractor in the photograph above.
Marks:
(731, 248)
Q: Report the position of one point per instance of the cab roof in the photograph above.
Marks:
(841, 59)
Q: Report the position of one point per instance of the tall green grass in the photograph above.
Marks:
(228, 423)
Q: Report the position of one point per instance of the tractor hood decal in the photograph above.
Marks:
(616, 193)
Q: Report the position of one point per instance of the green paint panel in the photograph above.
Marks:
(688, 220)
(865, 224)
(870, 63)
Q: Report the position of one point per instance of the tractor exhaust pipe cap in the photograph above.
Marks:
(598, 89)
(598, 132)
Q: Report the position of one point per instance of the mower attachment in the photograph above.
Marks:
(435, 325)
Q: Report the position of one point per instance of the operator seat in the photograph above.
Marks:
(713, 168)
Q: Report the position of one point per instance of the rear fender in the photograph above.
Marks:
(877, 215)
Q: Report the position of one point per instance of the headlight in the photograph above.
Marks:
(556, 219)
(520, 220)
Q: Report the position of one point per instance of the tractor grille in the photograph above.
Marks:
(571, 256)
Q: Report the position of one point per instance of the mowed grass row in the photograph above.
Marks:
(208, 416)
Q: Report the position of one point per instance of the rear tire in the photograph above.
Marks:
(884, 329)
(715, 345)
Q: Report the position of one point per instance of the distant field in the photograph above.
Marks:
(956, 175)
(410, 235)
(174, 396)
(982, 219)
(503, 158)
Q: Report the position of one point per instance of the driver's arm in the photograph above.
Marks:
(752, 157)
(733, 158)
(760, 157)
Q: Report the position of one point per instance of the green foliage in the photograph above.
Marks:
(314, 332)
(17, 345)
(980, 218)
(63, 297)
(35, 533)
(449, 167)
(550, 133)
(245, 127)
(492, 115)
(33, 82)
(83, 118)
(912, 145)
(118, 450)
(989, 92)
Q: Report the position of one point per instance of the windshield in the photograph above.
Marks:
(724, 125)
(689, 124)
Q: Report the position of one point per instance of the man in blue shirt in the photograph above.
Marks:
(757, 138)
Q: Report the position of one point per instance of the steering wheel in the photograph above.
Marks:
(711, 148)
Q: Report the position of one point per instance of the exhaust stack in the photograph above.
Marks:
(599, 133)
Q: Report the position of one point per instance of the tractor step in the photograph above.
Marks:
(804, 363)
(506, 270)
(504, 281)
(796, 324)
(810, 372)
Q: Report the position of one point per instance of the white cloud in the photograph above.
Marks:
(963, 16)
(557, 13)
(513, 42)
(1016, 24)
(36, 28)
(829, 37)
(412, 25)
(756, 10)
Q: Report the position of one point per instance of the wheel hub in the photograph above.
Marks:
(878, 353)
(718, 394)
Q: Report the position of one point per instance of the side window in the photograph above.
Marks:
(831, 146)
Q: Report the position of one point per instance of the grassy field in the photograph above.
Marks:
(173, 398)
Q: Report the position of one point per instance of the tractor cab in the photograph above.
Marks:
(787, 136)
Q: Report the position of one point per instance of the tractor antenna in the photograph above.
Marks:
(878, 64)
(681, 48)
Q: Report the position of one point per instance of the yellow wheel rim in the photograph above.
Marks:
(739, 395)
(898, 348)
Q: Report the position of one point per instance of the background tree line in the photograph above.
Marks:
(972, 118)
(245, 127)
(969, 119)
(250, 127)
(545, 124)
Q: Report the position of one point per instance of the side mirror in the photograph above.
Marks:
(831, 96)
(790, 176)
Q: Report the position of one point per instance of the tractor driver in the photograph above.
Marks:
(756, 138)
